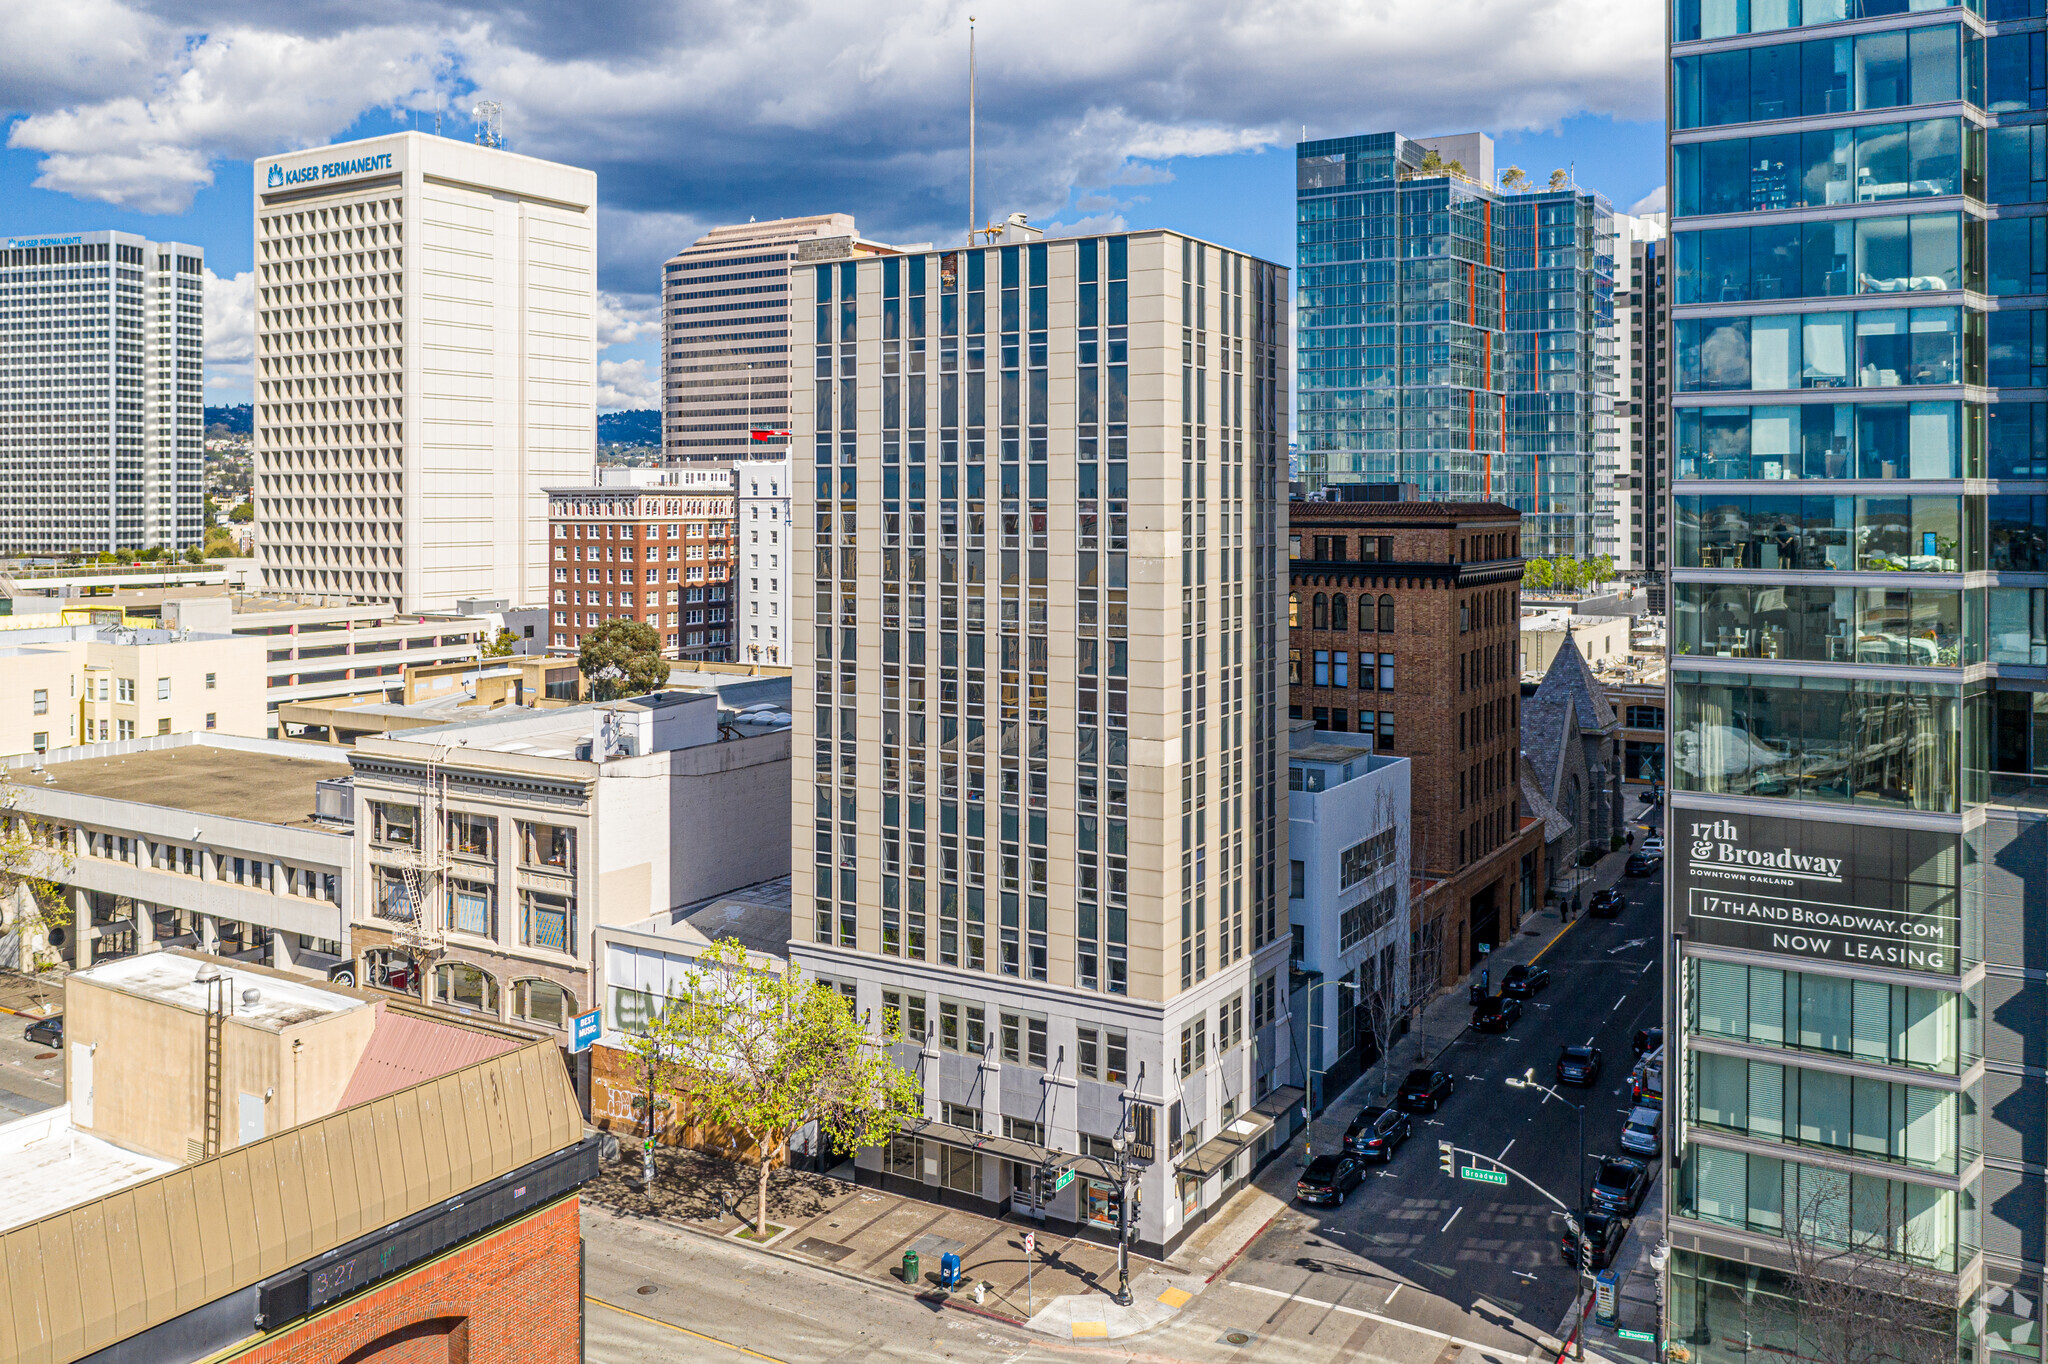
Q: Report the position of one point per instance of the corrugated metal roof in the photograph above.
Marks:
(406, 1050)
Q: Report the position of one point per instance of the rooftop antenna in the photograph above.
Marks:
(490, 131)
(972, 220)
(437, 123)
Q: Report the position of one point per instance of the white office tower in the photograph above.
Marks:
(762, 571)
(426, 364)
(102, 394)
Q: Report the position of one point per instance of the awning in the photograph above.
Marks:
(1009, 1148)
(1213, 1154)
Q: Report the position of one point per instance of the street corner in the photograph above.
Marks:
(1155, 1299)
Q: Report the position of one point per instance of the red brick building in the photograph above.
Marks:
(659, 551)
(1404, 623)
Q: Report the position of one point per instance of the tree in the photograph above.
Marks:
(1538, 573)
(1386, 990)
(242, 514)
(31, 904)
(622, 658)
(766, 1053)
(1560, 178)
(1514, 179)
(504, 642)
(195, 555)
(1861, 1277)
(1434, 164)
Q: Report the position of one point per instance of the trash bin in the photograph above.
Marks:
(949, 1270)
(910, 1272)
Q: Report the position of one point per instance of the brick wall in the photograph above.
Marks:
(618, 1102)
(513, 1297)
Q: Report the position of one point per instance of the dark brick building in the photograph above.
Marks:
(1404, 622)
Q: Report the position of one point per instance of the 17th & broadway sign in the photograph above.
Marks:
(1793, 887)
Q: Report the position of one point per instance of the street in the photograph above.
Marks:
(31, 1075)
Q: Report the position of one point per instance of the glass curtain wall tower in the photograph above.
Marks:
(1856, 584)
(1454, 336)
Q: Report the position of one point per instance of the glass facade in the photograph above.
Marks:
(1455, 337)
(1830, 1001)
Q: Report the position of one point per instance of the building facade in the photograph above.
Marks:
(426, 363)
(1038, 637)
(665, 540)
(102, 393)
(762, 566)
(1648, 329)
(83, 684)
(1856, 670)
(726, 329)
(1402, 622)
(1455, 336)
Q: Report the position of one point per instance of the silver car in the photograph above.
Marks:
(1643, 1133)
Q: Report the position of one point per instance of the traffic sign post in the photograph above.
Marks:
(587, 1029)
(1066, 1178)
(1483, 1176)
(1627, 1334)
(1030, 1243)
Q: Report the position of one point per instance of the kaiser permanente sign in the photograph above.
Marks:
(1741, 891)
(281, 177)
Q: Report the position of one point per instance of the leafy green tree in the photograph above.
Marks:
(764, 1053)
(195, 555)
(1560, 178)
(502, 645)
(1514, 179)
(1538, 573)
(622, 658)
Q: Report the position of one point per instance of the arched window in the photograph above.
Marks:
(465, 986)
(1294, 610)
(389, 969)
(1386, 614)
(543, 1002)
(1320, 613)
(1340, 616)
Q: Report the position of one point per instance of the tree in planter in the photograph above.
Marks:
(764, 1054)
(1866, 1293)
(622, 658)
(1514, 179)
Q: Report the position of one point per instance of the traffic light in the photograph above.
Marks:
(1447, 1158)
(1589, 1254)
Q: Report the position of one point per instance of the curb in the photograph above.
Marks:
(1250, 1241)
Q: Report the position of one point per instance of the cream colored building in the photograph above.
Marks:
(1038, 642)
(1602, 639)
(68, 685)
(426, 361)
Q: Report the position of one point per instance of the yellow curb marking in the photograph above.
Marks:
(1176, 1297)
(1085, 1330)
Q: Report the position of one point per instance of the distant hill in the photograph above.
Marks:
(637, 426)
(237, 420)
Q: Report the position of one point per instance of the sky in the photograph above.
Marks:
(1144, 113)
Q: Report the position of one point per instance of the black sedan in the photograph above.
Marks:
(1605, 1230)
(1608, 904)
(1621, 1184)
(1522, 982)
(1424, 1091)
(48, 1031)
(1328, 1179)
(1376, 1133)
(1578, 1065)
(1643, 864)
(1497, 1014)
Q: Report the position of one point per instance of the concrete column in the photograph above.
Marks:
(81, 928)
(209, 933)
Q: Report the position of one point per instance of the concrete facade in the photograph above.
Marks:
(84, 684)
(765, 561)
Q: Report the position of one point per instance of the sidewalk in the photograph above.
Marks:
(31, 996)
(862, 1233)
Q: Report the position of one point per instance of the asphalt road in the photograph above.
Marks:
(31, 1075)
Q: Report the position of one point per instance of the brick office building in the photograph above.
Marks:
(657, 545)
(1403, 622)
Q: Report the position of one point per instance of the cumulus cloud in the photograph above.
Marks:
(626, 383)
(230, 329)
(623, 319)
(1653, 202)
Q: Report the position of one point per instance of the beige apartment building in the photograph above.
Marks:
(1038, 638)
(69, 685)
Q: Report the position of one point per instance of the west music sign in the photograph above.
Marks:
(1795, 887)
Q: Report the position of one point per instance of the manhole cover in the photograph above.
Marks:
(824, 1250)
(46, 1056)
(1238, 1338)
(647, 1290)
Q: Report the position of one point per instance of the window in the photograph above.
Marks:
(1832, 440)
(1384, 742)
(472, 835)
(960, 1115)
(1024, 1129)
(163, 724)
(212, 719)
(547, 920)
(1829, 259)
(1265, 1001)
(1386, 672)
(1645, 717)
(1102, 1054)
(41, 701)
(1340, 676)
(1230, 1023)
(394, 823)
(1365, 918)
(1322, 666)
(472, 907)
(1194, 1047)
(210, 677)
(1386, 615)
(551, 847)
(1088, 1053)
(389, 969)
(1012, 1030)
(465, 987)
(163, 689)
(124, 689)
(41, 742)
(1365, 857)
(1297, 878)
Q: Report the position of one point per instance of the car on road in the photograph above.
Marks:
(1497, 1014)
(1648, 1040)
(1376, 1133)
(1578, 1065)
(1328, 1179)
(1621, 1184)
(48, 1031)
(1522, 982)
(1604, 1229)
(1643, 864)
(1653, 844)
(1608, 904)
(1643, 1133)
(1424, 1091)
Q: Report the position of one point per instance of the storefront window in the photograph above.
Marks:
(543, 1002)
(1871, 1119)
(1762, 1193)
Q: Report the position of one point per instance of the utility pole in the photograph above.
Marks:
(1495, 1171)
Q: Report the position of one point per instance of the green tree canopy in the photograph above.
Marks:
(622, 658)
(504, 642)
(1537, 573)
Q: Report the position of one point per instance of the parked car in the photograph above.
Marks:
(1497, 1014)
(1604, 1229)
(1608, 904)
(1643, 1133)
(1578, 1065)
(1376, 1133)
(1621, 1185)
(1328, 1179)
(1424, 1091)
(48, 1031)
(1648, 1040)
(1522, 982)
(1643, 864)
(1654, 844)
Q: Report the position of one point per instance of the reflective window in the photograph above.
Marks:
(1899, 1025)
(1834, 76)
(1874, 1119)
(2016, 348)
(1926, 251)
(2017, 532)
(1696, 19)
(1756, 1192)
(1780, 531)
(1891, 625)
(2016, 164)
(1822, 440)
(2016, 256)
(1884, 348)
(1816, 170)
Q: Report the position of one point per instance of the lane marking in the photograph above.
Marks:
(1618, 1003)
(1454, 1217)
(1390, 1297)
(684, 1330)
(1646, 966)
(1369, 1316)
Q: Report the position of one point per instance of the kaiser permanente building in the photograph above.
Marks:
(1858, 854)
(426, 364)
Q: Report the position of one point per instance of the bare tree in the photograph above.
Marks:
(1386, 991)
(1867, 1293)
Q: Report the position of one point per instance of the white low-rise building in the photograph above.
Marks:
(66, 685)
(761, 575)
